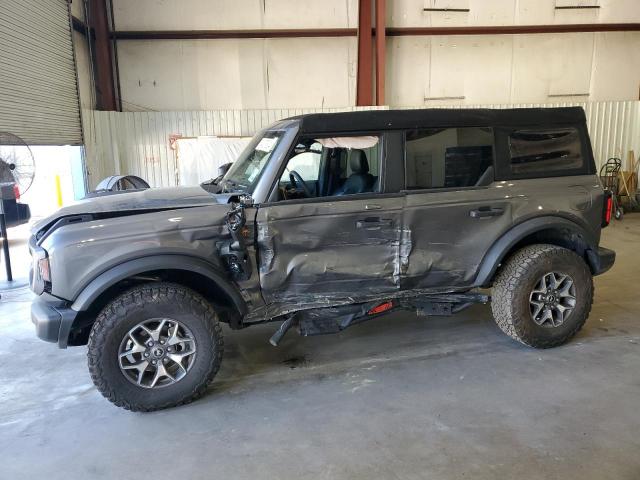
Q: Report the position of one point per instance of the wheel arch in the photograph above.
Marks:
(552, 230)
(190, 272)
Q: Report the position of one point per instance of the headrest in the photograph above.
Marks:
(358, 161)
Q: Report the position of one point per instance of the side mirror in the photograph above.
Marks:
(223, 169)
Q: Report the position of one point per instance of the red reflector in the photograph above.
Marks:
(383, 307)
(16, 191)
(608, 211)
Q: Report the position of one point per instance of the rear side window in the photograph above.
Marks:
(448, 157)
(536, 152)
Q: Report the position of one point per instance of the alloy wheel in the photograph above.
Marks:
(552, 299)
(157, 353)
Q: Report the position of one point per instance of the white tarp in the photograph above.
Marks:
(199, 158)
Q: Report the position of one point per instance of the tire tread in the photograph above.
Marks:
(506, 288)
(113, 312)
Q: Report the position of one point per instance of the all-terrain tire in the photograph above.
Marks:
(154, 300)
(517, 278)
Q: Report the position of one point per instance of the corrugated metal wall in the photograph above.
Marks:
(138, 143)
(38, 91)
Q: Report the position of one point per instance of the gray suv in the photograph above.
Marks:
(325, 221)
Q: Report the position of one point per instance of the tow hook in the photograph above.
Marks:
(235, 253)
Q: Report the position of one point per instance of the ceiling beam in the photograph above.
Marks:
(390, 31)
(514, 29)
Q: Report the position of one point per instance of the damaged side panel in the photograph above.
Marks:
(79, 252)
(443, 242)
(323, 253)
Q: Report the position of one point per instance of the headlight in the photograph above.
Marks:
(44, 270)
(40, 271)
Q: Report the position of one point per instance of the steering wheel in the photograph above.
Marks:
(296, 180)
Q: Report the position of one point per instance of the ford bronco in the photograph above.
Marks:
(325, 221)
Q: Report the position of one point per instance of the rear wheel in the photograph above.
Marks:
(155, 346)
(542, 295)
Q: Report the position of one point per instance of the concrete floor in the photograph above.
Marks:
(400, 397)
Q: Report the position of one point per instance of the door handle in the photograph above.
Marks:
(485, 212)
(374, 223)
(372, 206)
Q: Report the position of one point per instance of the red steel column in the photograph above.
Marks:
(364, 79)
(104, 79)
(381, 47)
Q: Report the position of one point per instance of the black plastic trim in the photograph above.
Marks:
(53, 320)
(601, 260)
(503, 245)
(157, 262)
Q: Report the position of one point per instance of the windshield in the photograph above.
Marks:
(246, 170)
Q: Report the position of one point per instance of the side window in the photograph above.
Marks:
(331, 166)
(540, 151)
(448, 157)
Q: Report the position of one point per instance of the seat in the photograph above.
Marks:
(360, 181)
(486, 178)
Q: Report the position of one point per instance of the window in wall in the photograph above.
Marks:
(539, 151)
(336, 166)
(449, 157)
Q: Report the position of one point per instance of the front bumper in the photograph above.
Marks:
(601, 260)
(53, 319)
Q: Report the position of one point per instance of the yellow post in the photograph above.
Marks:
(59, 190)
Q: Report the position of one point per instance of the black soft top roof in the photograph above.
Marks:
(437, 117)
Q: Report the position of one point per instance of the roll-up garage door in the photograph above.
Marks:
(38, 92)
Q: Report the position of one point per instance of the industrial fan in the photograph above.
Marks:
(17, 169)
(17, 165)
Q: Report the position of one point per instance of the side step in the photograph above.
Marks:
(280, 333)
(320, 321)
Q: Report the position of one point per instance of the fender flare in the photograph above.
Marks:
(505, 243)
(156, 262)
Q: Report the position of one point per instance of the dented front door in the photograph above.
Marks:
(328, 251)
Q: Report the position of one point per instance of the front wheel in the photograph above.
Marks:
(155, 346)
(542, 295)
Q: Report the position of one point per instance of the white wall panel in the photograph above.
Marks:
(408, 70)
(570, 64)
(265, 73)
(310, 14)
(616, 65)
(477, 68)
(237, 74)
(187, 14)
(410, 13)
(233, 14)
(311, 71)
(619, 11)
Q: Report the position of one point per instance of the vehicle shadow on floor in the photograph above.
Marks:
(250, 360)
(399, 337)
